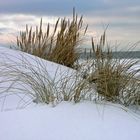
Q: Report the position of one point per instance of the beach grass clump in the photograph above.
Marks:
(115, 79)
(29, 76)
(59, 45)
(37, 42)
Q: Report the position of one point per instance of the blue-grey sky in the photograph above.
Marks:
(123, 17)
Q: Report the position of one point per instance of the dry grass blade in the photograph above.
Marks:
(59, 46)
(115, 79)
(29, 76)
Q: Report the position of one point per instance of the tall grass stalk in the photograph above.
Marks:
(30, 76)
(60, 46)
(115, 79)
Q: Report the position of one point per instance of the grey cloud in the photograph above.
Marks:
(62, 6)
(122, 15)
(50, 6)
(6, 30)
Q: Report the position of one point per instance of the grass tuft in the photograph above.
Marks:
(31, 76)
(116, 80)
(60, 46)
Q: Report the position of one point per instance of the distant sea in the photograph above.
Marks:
(88, 54)
(118, 55)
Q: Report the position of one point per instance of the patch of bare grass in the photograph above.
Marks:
(30, 76)
(60, 46)
(115, 80)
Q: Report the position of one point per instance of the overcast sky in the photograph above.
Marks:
(123, 17)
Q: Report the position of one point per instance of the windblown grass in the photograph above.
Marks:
(29, 75)
(115, 80)
(60, 46)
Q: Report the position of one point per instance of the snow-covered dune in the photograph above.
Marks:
(17, 61)
(17, 57)
(67, 121)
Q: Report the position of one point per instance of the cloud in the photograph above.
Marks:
(50, 6)
(62, 7)
(5, 30)
(121, 15)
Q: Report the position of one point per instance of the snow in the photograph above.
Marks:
(23, 61)
(66, 121)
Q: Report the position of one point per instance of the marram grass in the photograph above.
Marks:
(115, 80)
(60, 45)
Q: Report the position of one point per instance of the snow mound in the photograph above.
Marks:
(83, 121)
(66, 121)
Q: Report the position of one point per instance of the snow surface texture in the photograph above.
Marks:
(83, 121)
(24, 62)
(66, 121)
